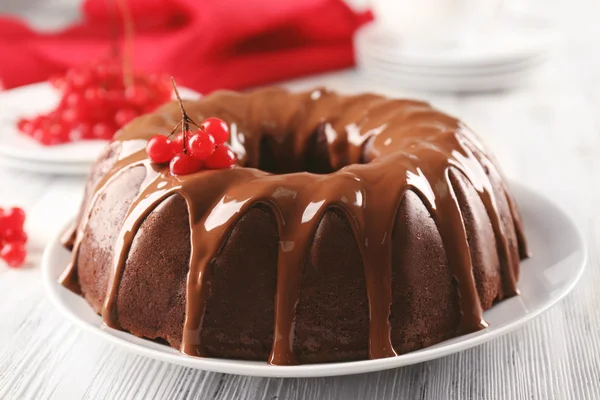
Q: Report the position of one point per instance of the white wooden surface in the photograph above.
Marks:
(546, 135)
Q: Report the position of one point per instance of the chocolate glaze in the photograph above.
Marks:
(378, 149)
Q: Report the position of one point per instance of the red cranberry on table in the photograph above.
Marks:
(13, 254)
(12, 237)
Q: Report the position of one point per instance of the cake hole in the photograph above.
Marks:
(277, 154)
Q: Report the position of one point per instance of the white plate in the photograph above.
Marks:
(30, 100)
(442, 83)
(506, 42)
(50, 168)
(559, 256)
(364, 56)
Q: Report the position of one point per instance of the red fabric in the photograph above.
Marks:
(206, 44)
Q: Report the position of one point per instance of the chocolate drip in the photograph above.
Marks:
(379, 149)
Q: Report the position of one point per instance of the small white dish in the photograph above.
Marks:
(30, 100)
(559, 257)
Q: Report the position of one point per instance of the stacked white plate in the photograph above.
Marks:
(504, 55)
(18, 151)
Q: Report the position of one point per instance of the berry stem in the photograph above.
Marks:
(128, 43)
(185, 118)
(174, 129)
(114, 36)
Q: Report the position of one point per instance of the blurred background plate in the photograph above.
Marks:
(505, 42)
(506, 54)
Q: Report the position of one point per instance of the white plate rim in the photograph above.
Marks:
(392, 74)
(448, 85)
(46, 168)
(364, 56)
(261, 369)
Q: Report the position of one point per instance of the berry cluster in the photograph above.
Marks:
(12, 237)
(191, 151)
(96, 101)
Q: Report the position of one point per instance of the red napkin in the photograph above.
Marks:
(206, 44)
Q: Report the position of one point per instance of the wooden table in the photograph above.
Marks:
(546, 135)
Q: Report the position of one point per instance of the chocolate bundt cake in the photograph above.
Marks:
(353, 227)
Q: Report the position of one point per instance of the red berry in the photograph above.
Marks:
(26, 126)
(70, 116)
(21, 123)
(124, 116)
(58, 81)
(15, 236)
(13, 254)
(12, 219)
(178, 142)
(79, 78)
(80, 132)
(217, 128)
(73, 99)
(160, 149)
(201, 144)
(58, 133)
(137, 95)
(94, 95)
(103, 131)
(107, 70)
(184, 164)
(41, 136)
(41, 121)
(223, 157)
(115, 98)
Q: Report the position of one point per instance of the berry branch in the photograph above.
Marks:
(128, 43)
(114, 36)
(185, 118)
(190, 152)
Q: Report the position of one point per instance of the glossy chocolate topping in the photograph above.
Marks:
(375, 149)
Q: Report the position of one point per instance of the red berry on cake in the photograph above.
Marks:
(178, 142)
(160, 149)
(201, 144)
(222, 158)
(217, 128)
(184, 164)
